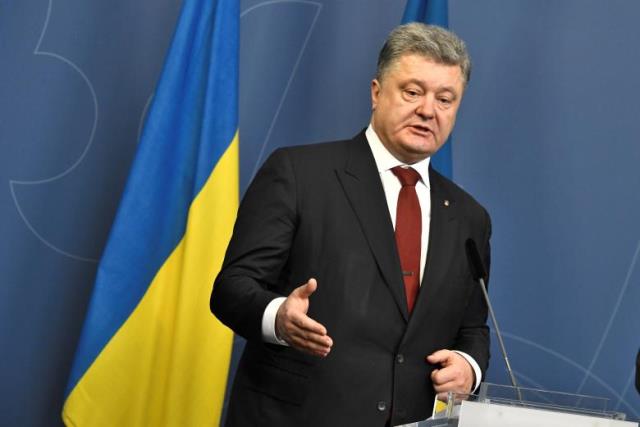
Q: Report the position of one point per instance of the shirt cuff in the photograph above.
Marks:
(474, 365)
(269, 322)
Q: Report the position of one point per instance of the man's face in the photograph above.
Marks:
(415, 105)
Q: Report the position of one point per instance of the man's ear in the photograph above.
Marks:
(375, 92)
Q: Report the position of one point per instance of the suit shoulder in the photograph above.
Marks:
(316, 151)
(458, 194)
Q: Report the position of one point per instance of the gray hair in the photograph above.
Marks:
(430, 41)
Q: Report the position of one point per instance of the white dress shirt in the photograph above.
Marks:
(385, 161)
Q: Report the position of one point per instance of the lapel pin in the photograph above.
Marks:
(446, 203)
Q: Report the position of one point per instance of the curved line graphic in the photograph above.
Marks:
(14, 183)
(630, 381)
(40, 237)
(143, 116)
(607, 329)
(530, 380)
(271, 2)
(572, 363)
(294, 71)
(534, 383)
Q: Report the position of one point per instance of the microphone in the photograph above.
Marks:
(480, 275)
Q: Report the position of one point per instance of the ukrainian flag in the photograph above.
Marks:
(435, 12)
(150, 353)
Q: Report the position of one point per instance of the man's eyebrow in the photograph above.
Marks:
(451, 89)
(421, 83)
(415, 81)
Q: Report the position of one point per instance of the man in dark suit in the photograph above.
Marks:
(347, 272)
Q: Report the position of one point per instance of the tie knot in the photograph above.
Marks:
(408, 176)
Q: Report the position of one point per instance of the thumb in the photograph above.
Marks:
(307, 289)
(440, 356)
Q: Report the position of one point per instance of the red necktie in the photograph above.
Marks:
(409, 232)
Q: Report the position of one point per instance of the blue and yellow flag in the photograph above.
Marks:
(434, 12)
(151, 353)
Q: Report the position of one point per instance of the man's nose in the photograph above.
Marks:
(426, 108)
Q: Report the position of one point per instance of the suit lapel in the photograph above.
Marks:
(361, 182)
(443, 231)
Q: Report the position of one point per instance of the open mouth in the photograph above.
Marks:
(421, 130)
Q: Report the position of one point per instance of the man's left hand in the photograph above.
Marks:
(455, 373)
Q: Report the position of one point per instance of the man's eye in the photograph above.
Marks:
(411, 94)
(445, 101)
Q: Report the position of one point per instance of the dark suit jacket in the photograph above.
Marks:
(320, 211)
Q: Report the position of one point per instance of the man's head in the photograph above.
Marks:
(422, 73)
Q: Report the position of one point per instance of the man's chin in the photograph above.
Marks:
(423, 148)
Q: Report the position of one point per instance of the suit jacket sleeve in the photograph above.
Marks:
(258, 249)
(473, 334)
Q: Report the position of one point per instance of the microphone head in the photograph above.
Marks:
(475, 261)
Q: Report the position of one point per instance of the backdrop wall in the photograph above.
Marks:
(547, 139)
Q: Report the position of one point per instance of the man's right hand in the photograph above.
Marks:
(299, 330)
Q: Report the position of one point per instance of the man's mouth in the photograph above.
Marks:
(421, 130)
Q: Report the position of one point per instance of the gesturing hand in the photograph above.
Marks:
(299, 330)
(455, 374)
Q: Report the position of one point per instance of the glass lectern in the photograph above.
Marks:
(506, 406)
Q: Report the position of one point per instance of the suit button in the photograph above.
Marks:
(382, 406)
(400, 358)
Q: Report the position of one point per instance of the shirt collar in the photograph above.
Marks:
(386, 161)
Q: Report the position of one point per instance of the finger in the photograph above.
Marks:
(301, 342)
(446, 386)
(443, 376)
(301, 325)
(443, 390)
(309, 329)
(452, 380)
(304, 327)
(440, 356)
(443, 396)
(310, 347)
(307, 289)
(322, 340)
(457, 397)
(306, 323)
(451, 387)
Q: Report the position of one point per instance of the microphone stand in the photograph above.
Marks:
(499, 335)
